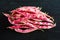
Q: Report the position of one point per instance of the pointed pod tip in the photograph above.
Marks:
(5, 14)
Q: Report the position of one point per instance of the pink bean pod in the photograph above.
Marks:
(27, 19)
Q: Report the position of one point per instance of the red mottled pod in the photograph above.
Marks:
(29, 18)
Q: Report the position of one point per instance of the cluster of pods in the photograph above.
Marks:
(27, 19)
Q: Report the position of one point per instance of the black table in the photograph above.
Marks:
(50, 6)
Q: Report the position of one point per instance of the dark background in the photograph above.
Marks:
(52, 7)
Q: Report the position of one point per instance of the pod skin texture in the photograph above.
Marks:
(27, 19)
